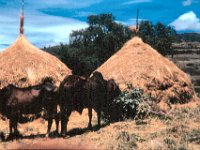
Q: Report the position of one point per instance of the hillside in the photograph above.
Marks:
(188, 37)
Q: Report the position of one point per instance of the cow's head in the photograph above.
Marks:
(97, 76)
(48, 93)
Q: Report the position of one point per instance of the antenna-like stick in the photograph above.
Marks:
(137, 23)
(22, 19)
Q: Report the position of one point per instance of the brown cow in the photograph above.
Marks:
(4, 95)
(72, 98)
(97, 96)
(113, 92)
(77, 93)
(31, 100)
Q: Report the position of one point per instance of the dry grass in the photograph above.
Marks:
(180, 132)
(142, 66)
(23, 65)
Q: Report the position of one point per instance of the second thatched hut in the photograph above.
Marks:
(142, 66)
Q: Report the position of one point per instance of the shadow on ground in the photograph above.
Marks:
(70, 134)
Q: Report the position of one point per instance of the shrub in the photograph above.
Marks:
(131, 103)
(197, 82)
(190, 64)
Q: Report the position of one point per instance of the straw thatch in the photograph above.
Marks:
(139, 64)
(24, 65)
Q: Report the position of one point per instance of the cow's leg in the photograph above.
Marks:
(63, 124)
(64, 121)
(99, 117)
(12, 123)
(50, 121)
(90, 118)
(15, 124)
(11, 126)
(57, 118)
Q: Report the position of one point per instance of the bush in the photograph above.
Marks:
(130, 104)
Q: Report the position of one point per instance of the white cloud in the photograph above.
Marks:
(51, 30)
(137, 1)
(187, 2)
(187, 21)
(47, 31)
(72, 4)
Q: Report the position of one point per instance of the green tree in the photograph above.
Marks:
(158, 36)
(102, 38)
(147, 32)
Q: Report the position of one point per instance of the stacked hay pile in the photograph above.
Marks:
(24, 65)
(142, 66)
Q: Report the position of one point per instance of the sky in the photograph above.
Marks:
(50, 22)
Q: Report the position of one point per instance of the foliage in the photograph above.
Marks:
(188, 37)
(102, 38)
(158, 36)
(131, 103)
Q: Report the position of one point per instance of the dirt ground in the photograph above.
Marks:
(182, 131)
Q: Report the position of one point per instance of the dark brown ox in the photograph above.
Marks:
(4, 95)
(32, 100)
(113, 92)
(100, 95)
(77, 93)
(97, 96)
(72, 98)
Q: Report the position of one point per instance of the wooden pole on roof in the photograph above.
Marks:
(22, 19)
(137, 23)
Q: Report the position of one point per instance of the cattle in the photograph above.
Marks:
(97, 96)
(4, 94)
(113, 92)
(31, 100)
(73, 97)
(77, 93)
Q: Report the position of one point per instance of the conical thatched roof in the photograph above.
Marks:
(139, 64)
(24, 65)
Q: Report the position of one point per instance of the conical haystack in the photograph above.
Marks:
(139, 64)
(24, 65)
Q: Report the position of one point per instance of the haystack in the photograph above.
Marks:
(142, 66)
(24, 65)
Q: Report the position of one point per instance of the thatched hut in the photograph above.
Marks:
(24, 65)
(142, 66)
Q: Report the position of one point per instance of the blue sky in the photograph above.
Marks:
(49, 22)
